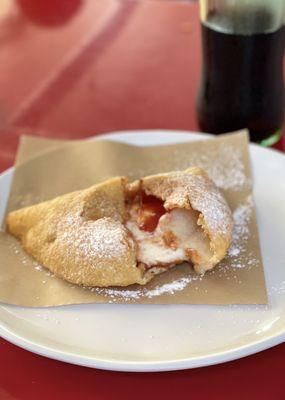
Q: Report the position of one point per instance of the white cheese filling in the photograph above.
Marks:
(187, 236)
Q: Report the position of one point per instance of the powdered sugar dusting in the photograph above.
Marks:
(205, 198)
(241, 235)
(103, 238)
(26, 260)
(168, 288)
(279, 288)
(172, 287)
(224, 165)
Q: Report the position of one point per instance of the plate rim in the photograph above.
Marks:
(145, 366)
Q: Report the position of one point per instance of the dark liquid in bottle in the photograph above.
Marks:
(242, 81)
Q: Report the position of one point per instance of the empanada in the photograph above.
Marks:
(118, 233)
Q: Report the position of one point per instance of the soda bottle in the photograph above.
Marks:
(242, 84)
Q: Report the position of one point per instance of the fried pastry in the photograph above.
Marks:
(117, 233)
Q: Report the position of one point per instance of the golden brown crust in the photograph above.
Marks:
(81, 236)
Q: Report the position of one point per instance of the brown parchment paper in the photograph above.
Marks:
(47, 168)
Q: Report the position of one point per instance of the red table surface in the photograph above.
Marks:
(75, 68)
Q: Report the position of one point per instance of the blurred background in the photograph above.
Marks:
(75, 68)
(80, 67)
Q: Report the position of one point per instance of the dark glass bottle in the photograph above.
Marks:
(242, 84)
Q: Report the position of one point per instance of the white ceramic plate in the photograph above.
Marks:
(161, 338)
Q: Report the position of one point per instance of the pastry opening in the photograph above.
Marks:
(165, 238)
